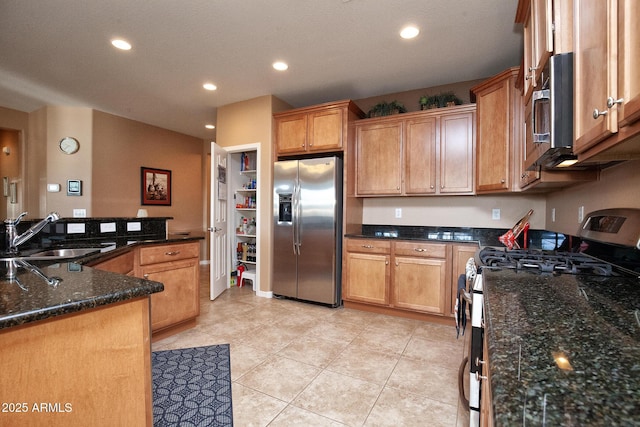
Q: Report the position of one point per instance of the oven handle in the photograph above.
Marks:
(462, 371)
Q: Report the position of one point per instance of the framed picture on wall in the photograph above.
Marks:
(156, 186)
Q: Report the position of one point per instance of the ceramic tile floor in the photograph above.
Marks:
(299, 364)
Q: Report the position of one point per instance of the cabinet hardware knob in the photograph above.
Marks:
(397, 264)
(146, 276)
(420, 249)
(480, 377)
(597, 113)
(532, 68)
(611, 102)
(367, 246)
(479, 362)
(502, 181)
(172, 253)
(386, 263)
(432, 187)
(442, 187)
(398, 187)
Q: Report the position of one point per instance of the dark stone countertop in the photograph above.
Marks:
(29, 297)
(534, 320)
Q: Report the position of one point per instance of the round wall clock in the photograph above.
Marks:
(69, 145)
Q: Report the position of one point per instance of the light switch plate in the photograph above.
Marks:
(398, 212)
(495, 214)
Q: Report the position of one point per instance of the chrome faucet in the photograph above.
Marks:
(13, 240)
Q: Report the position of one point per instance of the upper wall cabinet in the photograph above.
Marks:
(537, 18)
(422, 153)
(499, 124)
(317, 129)
(607, 79)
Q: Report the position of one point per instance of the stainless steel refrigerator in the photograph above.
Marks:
(307, 241)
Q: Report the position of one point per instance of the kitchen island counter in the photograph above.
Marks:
(563, 349)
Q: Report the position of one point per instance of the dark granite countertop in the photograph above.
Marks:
(36, 290)
(563, 350)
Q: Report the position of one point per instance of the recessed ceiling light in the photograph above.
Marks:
(209, 86)
(409, 32)
(280, 66)
(210, 126)
(121, 44)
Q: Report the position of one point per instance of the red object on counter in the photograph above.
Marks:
(525, 230)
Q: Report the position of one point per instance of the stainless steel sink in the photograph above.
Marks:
(64, 253)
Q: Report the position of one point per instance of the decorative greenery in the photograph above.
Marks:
(385, 108)
(443, 99)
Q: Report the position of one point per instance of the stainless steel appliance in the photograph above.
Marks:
(609, 240)
(307, 240)
(552, 114)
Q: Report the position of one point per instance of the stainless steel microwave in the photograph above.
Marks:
(552, 114)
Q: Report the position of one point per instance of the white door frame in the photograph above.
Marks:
(218, 228)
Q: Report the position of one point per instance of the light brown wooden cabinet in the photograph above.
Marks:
(486, 398)
(606, 96)
(537, 19)
(460, 254)
(368, 272)
(177, 267)
(321, 128)
(499, 133)
(422, 153)
(398, 277)
(420, 276)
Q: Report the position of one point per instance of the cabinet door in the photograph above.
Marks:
(629, 78)
(368, 278)
(595, 61)
(456, 153)
(122, 264)
(419, 284)
(291, 134)
(179, 300)
(325, 130)
(494, 137)
(420, 156)
(459, 258)
(542, 12)
(378, 158)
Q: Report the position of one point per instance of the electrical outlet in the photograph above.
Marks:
(553, 214)
(495, 214)
(79, 213)
(398, 212)
(580, 213)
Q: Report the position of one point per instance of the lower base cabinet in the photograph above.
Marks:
(403, 277)
(176, 266)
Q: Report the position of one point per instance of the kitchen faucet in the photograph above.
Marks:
(13, 240)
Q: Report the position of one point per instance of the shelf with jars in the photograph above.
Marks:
(245, 211)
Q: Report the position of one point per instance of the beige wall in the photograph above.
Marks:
(455, 211)
(251, 122)
(618, 187)
(122, 146)
(77, 123)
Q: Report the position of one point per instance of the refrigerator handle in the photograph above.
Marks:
(296, 223)
(294, 212)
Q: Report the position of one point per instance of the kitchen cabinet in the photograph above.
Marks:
(537, 19)
(486, 399)
(422, 153)
(368, 271)
(420, 276)
(607, 96)
(122, 264)
(177, 267)
(316, 129)
(407, 278)
(460, 254)
(499, 124)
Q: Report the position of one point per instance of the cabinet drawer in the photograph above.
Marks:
(420, 249)
(166, 253)
(374, 246)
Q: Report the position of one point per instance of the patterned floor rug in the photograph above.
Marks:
(192, 387)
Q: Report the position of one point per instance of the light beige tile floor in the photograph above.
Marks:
(299, 364)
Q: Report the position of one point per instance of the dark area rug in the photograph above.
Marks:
(192, 387)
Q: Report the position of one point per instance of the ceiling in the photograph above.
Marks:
(58, 52)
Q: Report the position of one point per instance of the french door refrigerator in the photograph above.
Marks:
(307, 240)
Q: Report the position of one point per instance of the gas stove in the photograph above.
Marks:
(547, 262)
